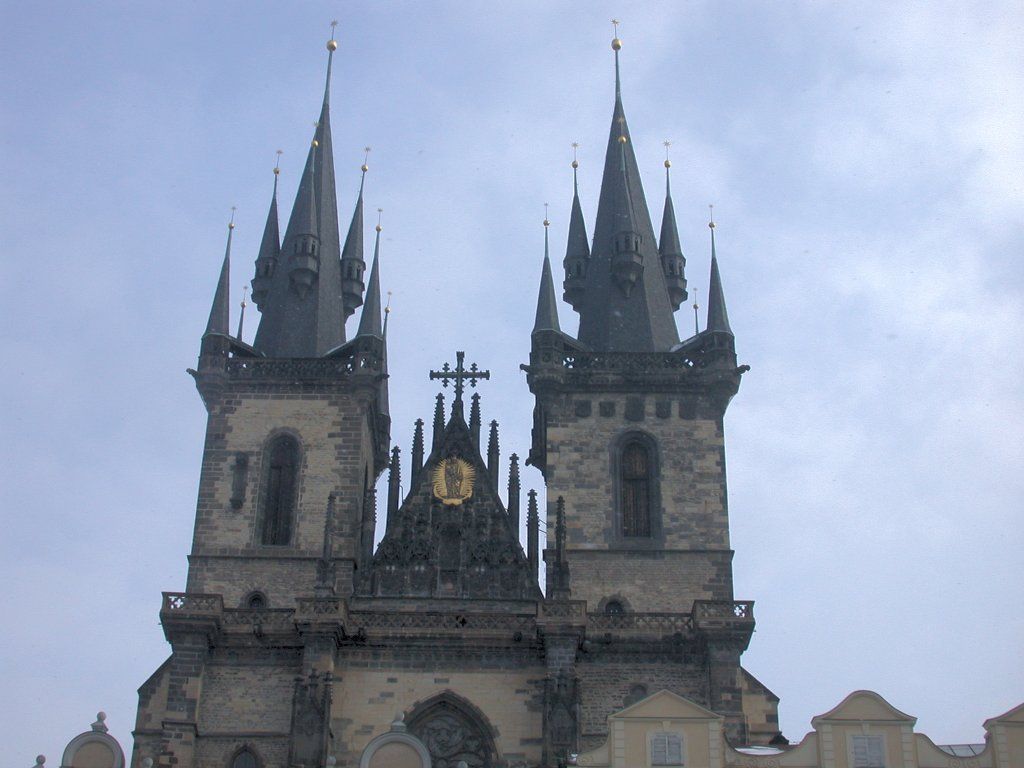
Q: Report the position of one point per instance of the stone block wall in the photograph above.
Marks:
(336, 453)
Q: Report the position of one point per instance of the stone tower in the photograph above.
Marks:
(298, 432)
(628, 433)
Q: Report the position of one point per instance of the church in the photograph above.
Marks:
(300, 640)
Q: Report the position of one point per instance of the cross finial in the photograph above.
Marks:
(575, 162)
(245, 295)
(387, 307)
(615, 27)
(332, 44)
(366, 157)
(231, 221)
(277, 162)
(711, 216)
(546, 222)
(667, 144)
(380, 212)
(459, 375)
(315, 126)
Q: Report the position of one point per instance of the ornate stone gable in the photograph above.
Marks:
(452, 536)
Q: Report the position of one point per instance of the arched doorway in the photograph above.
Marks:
(452, 730)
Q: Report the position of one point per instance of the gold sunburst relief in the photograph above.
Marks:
(453, 480)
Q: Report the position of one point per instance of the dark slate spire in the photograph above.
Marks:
(302, 313)
(370, 320)
(417, 452)
(673, 263)
(532, 533)
(438, 422)
(547, 305)
(513, 492)
(718, 318)
(270, 250)
(577, 250)
(220, 311)
(474, 419)
(352, 263)
(493, 454)
(394, 478)
(625, 306)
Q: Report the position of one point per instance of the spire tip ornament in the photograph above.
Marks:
(711, 217)
(546, 222)
(379, 227)
(366, 156)
(231, 221)
(332, 44)
(667, 143)
(277, 164)
(616, 42)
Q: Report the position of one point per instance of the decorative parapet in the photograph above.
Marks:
(723, 615)
(558, 362)
(464, 625)
(320, 609)
(259, 620)
(562, 615)
(190, 613)
(636, 625)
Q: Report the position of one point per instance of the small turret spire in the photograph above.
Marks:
(370, 320)
(718, 318)
(493, 454)
(474, 419)
(270, 247)
(417, 453)
(394, 479)
(673, 263)
(220, 311)
(532, 533)
(438, 422)
(241, 315)
(547, 306)
(513, 493)
(352, 262)
(577, 248)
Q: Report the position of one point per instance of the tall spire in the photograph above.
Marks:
(673, 263)
(270, 247)
(625, 306)
(577, 249)
(718, 318)
(302, 311)
(370, 320)
(220, 311)
(547, 306)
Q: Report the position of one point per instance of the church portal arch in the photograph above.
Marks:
(453, 730)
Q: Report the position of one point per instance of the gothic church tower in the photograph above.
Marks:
(628, 432)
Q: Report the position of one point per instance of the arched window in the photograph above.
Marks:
(636, 471)
(244, 758)
(280, 486)
(255, 601)
(614, 608)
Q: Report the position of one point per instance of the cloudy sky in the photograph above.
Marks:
(865, 161)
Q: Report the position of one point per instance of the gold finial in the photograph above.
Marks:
(316, 125)
(667, 143)
(622, 139)
(711, 216)
(616, 43)
(245, 294)
(231, 222)
(379, 212)
(277, 165)
(546, 222)
(366, 156)
(387, 307)
(332, 44)
(575, 162)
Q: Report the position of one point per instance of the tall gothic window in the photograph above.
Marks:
(636, 468)
(281, 481)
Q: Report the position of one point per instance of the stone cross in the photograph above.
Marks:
(459, 375)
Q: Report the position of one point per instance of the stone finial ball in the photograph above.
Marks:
(668, 163)
(332, 45)
(364, 167)
(575, 164)
(101, 716)
(40, 759)
(616, 44)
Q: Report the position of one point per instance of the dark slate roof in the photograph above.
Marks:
(577, 245)
(309, 326)
(220, 310)
(718, 318)
(547, 304)
(610, 320)
(668, 243)
(370, 319)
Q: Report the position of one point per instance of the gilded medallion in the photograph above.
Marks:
(453, 480)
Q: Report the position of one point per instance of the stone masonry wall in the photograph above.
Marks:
(336, 452)
(650, 582)
(582, 434)
(367, 700)
(606, 685)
